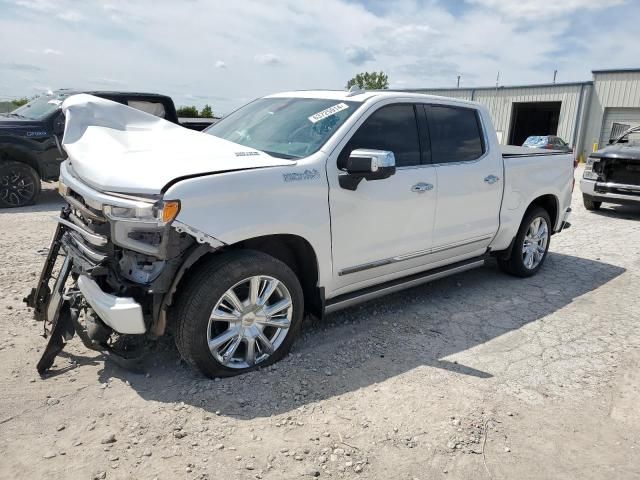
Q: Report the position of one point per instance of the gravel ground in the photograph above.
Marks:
(478, 376)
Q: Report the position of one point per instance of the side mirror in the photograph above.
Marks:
(369, 165)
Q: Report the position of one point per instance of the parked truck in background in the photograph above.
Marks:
(30, 138)
(612, 174)
(299, 202)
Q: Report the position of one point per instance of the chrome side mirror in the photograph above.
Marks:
(367, 164)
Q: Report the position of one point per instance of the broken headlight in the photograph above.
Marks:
(161, 213)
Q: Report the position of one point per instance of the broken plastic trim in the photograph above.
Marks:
(199, 236)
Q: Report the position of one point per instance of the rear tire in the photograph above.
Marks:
(530, 246)
(232, 315)
(590, 204)
(19, 185)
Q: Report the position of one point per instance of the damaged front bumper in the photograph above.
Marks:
(122, 315)
(99, 282)
(65, 290)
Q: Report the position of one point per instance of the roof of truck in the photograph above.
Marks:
(111, 93)
(363, 95)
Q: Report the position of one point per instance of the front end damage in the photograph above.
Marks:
(613, 175)
(111, 271)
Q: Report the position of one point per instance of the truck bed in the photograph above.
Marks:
(512, 151)
(531, 173)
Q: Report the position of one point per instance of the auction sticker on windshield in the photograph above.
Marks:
(327, 112)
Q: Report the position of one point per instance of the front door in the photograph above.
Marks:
(383, 229)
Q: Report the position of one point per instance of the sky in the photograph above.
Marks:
(226, 53)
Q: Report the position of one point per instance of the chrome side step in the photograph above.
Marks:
(353, 298)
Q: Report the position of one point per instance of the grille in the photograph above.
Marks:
(625, 172)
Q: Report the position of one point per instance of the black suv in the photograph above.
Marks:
(30, 139)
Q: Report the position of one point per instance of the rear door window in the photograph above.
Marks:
(456, 134)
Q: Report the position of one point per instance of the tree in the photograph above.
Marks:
(18, 102)
(206, 111)
(189, 112)
(370, 81)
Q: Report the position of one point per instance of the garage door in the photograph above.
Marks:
(627, 116)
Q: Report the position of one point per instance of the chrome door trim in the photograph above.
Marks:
(408, 256)
(374, 292)
(462, 243)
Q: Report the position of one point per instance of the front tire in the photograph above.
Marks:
(530, 246)
(19, 185)
(239, 311)
(590, 204)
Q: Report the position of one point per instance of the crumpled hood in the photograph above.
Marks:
(116, 148)
(624, 151)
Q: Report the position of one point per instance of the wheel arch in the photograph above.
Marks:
(298, 254)
(14, 153)
(550, 203)
(293, 250)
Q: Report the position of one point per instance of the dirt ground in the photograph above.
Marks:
(477, 376)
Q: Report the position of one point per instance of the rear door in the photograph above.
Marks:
(470, 181)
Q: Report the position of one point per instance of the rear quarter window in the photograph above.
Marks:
(154, 108)
(456, 134)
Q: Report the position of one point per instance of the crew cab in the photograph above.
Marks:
(299, 202)
(612, 174)
(30, 138)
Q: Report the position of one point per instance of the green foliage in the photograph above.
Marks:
(18, 102)
(189, 112)
(370, 81)
(206, 111)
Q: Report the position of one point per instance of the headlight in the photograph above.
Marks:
(162, 212)
(589, 174)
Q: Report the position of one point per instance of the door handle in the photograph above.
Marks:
(421, 187)
(491, 179)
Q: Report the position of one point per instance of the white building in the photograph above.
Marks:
(581, 113)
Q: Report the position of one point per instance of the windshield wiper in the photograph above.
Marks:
(281, 155)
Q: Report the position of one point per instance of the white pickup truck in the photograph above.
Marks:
(297, 202)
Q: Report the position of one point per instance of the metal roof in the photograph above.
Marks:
(617, 70)
(503, 87)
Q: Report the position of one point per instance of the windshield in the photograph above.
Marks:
(41, 107)
(535, 141)
(284, 127)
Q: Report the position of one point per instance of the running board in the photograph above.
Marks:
(353, 298)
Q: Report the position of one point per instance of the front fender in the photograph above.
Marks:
(240, 205)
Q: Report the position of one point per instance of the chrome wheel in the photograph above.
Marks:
(535, 243)
(250, 322)
(16, 188)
